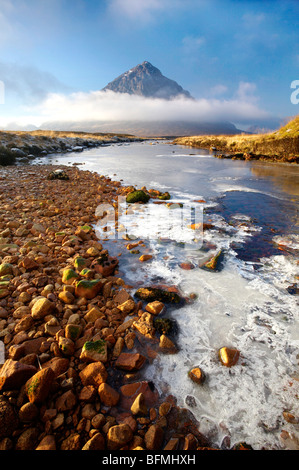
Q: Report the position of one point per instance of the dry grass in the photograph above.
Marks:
(281, 145)
(68, 134)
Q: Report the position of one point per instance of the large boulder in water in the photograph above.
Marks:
(137, 196)
(151, 294)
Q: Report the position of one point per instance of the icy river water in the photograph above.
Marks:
(250, 304)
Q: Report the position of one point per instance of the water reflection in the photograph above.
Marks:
(283, 176)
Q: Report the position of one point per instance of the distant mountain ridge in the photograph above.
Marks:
(146, 80)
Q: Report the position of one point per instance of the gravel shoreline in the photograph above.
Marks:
(73, 335)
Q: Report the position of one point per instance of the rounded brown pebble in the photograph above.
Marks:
(118, 436)
(28, 412)
(197, 375)
(229, 356)
(27, 440)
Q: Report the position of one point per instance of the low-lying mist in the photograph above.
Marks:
(108, 106)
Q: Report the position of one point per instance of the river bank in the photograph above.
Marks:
(202, 321)
(72, 376)
(23, 147)
(280, 146)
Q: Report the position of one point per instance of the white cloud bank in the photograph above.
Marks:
(109, 106)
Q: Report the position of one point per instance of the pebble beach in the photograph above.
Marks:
(74, 340)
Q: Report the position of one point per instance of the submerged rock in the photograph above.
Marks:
(228, 356)
(214, 263)
(163, 325)
(196, 375)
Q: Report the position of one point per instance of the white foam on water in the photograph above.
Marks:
(171, 155)
(241, 307)
(246, 401)
(224, 188)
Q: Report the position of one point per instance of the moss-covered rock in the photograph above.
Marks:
(94, 351)
(87, 273)
(163, 325)
(6, 268)
(69, 276)
(214, 263)
(165, 196)
(151, 293)
(73, 331)
(88, 289)
(80, 263)
(58, 175)
(137, 196)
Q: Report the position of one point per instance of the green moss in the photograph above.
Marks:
(86, 272)
(69, 274)
(163, 325)
(86, 228)
(74, 332)
(150, 294)
(214, 264)
(95, 346)
(80, 262)
(33, 385)
(137, 196)
(5, 268)
(88, 284)
(164, 196)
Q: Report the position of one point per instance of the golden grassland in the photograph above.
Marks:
(22, 135)
(281, 145)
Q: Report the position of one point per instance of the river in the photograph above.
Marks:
(250, 304)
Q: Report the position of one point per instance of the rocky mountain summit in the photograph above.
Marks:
(146, 80)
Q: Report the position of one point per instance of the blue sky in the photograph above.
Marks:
(235, 57)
